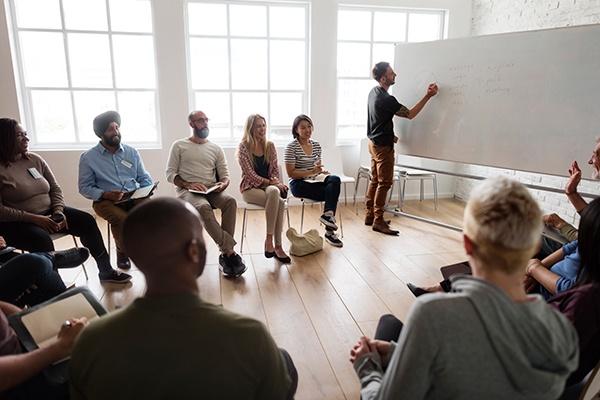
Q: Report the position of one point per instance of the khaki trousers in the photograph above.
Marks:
(382, 173)
(222, 233)
(274, 205)
(115, 215)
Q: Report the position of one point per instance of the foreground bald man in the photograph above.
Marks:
(170, 344)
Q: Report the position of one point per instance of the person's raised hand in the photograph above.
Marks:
(432, 89)
(574, 178)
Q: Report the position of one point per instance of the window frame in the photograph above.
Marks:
(273, 131)
(443, 13)
(24, 92)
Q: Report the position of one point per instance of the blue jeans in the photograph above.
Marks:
(29, 279)
(327, 191)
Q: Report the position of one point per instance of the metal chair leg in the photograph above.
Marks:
(108, 238)
(435, 192)
(302, 216)
(345, 195)
(341, 223)
(82, 264)
(421, 190)
(355, 191)
(243, 231)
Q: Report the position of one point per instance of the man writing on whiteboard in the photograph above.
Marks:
(382, 107)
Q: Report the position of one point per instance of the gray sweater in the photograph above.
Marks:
(475, 343)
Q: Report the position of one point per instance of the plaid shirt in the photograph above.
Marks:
(250, 179)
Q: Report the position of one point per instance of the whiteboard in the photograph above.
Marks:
(528, 101)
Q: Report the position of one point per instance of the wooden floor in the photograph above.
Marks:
(319, 305)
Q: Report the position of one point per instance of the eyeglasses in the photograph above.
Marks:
(21, 135)
(200, 120)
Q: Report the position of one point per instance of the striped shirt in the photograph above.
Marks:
(294, 154)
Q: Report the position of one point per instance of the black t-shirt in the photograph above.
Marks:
(381, 110)
(261, 167)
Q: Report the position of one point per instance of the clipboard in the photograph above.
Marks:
(140, 193)
(38, 326)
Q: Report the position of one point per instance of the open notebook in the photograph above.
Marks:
(140, 193)
(207, 191)
(316, 178)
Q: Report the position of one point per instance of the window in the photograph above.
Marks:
(79, 58)
(245, 58)
(365, 37)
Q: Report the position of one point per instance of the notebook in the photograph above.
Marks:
(316, 178)
(140, 193)
(207, 191)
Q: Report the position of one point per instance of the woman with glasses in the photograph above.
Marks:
(32, 206)
(261, 181)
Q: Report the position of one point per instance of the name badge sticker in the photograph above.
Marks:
(35, 174)
(126, 163)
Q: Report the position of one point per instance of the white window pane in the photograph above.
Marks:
(351, 132)
(284, 108)
(131, 15)
(53, 116)
(216, 107)
(207, 19)
(43, 56)
(354, 25)
(354, 59)
(287, 22)
(424, 27)
(89, 57)
(288, 61)
(38, 14)
(138, 116)
(352, 101)
(87, 15)
(89, 104)
(383, 52)
(389, 27)
(248, 64)
(134, 61)
(245, 104)
(209, 63)
(247, 20)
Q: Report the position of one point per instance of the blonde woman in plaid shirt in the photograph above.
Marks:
(261, 182)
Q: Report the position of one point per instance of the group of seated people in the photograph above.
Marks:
(32, 206)
(487, 338)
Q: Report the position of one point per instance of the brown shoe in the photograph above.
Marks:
(383, 227)
(123, 261)
(369, 220)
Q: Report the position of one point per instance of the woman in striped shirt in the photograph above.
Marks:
(261, 183)
(308, 178)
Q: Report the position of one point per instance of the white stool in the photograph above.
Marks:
(402, 176)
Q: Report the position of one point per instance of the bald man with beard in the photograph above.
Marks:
(169, 343)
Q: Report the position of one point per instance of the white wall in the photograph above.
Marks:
(499, 16)
(172, 87)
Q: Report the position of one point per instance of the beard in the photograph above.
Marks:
(112, 141)
(201, 133)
